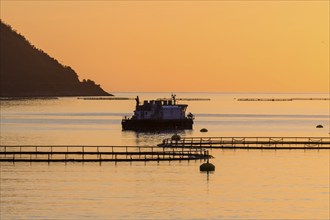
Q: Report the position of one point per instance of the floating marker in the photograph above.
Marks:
(207, 167)
(176, 137)
(203, 130)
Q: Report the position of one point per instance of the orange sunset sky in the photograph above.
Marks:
(175, 46)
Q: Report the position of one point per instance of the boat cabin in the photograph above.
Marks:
(160, 110)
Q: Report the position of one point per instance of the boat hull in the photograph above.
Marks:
(156, 125)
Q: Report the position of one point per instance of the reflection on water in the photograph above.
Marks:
(246, 184)
(154, 138)
(98, 122)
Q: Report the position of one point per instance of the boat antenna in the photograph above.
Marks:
(173, 97)
(137, 100)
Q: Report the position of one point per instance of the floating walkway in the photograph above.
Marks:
(97, 154)
(193, 99)
(126, 98)
(186, 99)
(106, 98)
(250, 142)
(281, 100)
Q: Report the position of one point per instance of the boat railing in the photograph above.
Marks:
(126, 118)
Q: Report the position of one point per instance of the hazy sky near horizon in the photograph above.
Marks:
(175, 46)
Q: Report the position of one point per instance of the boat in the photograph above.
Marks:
(157, 115)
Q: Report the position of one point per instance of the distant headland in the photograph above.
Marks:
(26, 71)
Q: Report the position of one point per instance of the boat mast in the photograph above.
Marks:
(173, 98)
(137, 101)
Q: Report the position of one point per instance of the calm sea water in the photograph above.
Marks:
(246, 184)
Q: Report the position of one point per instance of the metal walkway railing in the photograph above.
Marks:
(250, 142)
(96, 154)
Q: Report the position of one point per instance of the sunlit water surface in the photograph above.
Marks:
(246, 184)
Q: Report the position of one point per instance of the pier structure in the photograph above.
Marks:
(249, 142)
(105, 98)
(186, 99)
(281, 99)
(127, 98)
(98, 154)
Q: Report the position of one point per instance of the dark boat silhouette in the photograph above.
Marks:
(155, 115)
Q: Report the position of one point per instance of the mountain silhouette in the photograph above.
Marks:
(26, 71)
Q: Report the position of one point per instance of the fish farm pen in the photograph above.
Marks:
(97, 154)
(249, 142)
(189, 148)
(281, 99)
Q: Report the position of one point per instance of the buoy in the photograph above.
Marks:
(207, 167)
(176, 137)
(203, 130)
(319, 126)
